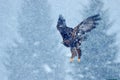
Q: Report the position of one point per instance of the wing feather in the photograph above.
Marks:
(88, 24)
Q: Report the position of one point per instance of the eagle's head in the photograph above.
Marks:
(61, 21)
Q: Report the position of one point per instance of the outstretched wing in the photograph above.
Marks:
(88, 24)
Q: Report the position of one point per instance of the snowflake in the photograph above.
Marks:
(36, 43)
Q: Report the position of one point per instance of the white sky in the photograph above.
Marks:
(70, 9)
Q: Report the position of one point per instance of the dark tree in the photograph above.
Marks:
(35, 57)
(98, 51)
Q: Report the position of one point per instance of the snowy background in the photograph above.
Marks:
(49, 66)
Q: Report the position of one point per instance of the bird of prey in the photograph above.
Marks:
(73, 37)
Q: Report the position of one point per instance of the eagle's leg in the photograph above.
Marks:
(73, 52)
(78, 52)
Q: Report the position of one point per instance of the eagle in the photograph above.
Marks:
(73, 37)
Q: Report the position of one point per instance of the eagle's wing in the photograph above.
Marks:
(88, 24)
